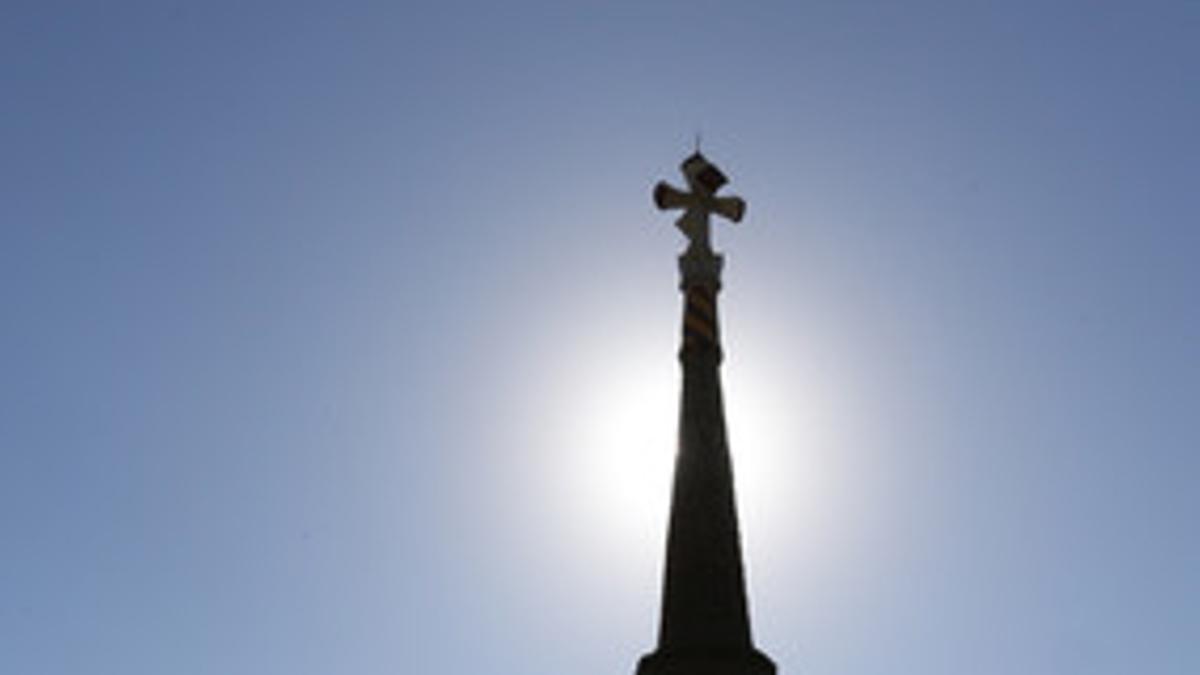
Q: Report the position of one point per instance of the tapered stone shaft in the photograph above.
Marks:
(705, 625)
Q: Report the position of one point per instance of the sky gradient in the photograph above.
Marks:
(341, 339)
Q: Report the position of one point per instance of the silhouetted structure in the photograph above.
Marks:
(705, 625)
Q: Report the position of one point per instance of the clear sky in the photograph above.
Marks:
(340, 337)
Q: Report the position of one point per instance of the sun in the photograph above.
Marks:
(623, 437)
(626, 436)
(605, 423)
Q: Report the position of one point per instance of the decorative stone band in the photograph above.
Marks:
(700, 319)
(700, 280)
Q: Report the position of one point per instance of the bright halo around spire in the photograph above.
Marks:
(627, 450)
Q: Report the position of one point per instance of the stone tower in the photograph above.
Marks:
(705, 624)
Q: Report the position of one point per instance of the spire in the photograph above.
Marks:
(705, 624)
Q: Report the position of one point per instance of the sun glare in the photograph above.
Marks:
(623, 437)
(606, 421)
(627, 448)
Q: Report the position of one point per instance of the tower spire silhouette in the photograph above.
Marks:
(705, 625)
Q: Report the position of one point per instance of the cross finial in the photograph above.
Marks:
(703, 179)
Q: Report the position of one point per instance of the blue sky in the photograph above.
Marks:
(341, 338)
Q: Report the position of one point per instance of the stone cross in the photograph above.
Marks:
(704, 179)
